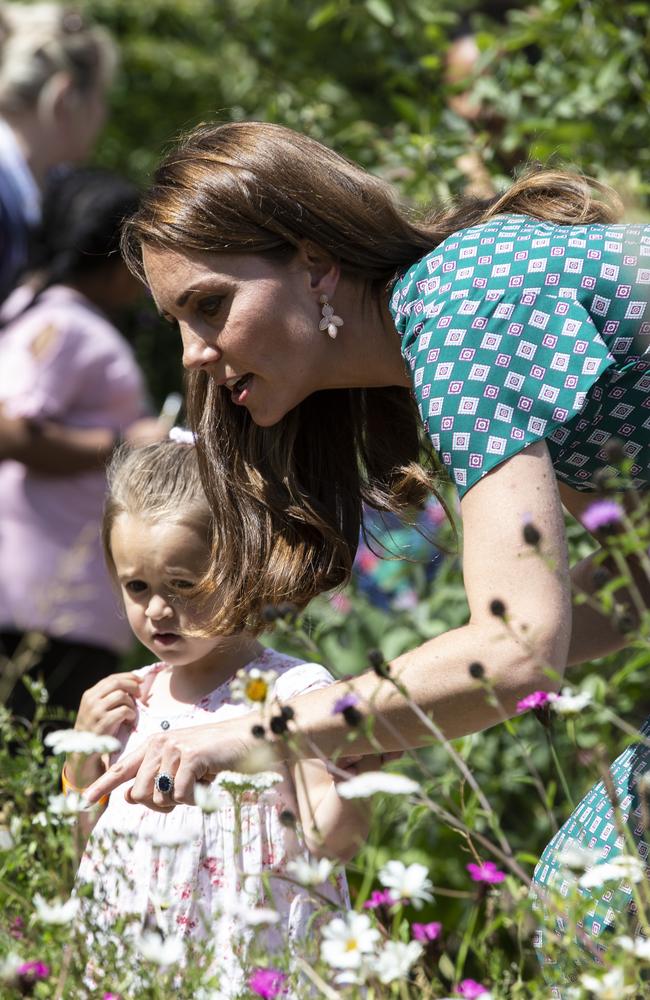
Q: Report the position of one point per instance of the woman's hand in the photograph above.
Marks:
(187, 755)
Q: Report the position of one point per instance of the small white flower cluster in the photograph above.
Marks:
(69, 804)
(77, 741)
(159, 950)
(624, 867)
(56, 912)
(236, 782)
(611, 986)
(362, 786)
(568, 703)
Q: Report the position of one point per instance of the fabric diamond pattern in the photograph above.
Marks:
(517, 330)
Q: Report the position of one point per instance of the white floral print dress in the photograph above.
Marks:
(194, 874)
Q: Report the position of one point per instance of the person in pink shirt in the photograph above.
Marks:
(70, 389)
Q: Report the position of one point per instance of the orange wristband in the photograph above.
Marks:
(67, 787)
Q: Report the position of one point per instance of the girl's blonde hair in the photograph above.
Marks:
(158, 481)
(39, 40)
(289, 497)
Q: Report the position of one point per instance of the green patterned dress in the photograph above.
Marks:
(517, 330)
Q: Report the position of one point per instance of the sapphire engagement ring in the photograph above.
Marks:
(164, 783)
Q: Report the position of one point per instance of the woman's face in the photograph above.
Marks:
(250, 323)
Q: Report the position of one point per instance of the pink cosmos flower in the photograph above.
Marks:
(111, 996)
(380, 897)
(487, 871)
(29, 972)
(426, 932)
(535, 700)
(267, 983)
(602, 514)
(470, 989)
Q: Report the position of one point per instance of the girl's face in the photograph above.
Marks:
(251, 323)
(156, 562)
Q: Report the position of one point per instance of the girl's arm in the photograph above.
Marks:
(332, 827)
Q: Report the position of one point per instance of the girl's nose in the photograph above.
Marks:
(158, 608)
(197, 352)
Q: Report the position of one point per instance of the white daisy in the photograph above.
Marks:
(158, 950)
(310, 872)
(346, 940)
(395, 959)
(625, 867)
(252, 686)
(409, 883)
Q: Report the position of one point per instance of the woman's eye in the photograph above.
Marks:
(135, 586)
(211, 306)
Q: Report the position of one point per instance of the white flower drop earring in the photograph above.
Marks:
(329, 322)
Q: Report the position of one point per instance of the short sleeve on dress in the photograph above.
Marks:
(300, 679)
(493, 375)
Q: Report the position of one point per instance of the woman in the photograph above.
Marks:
(314, 313)
(54, 72)
(70, 388)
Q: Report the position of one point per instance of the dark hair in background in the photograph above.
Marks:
(289, 497)
(82, 214)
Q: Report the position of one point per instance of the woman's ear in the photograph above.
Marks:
(323, 270)
(56, 96)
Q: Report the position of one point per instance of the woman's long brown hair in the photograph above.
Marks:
(288, 499)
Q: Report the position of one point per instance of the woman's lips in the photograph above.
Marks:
(241, 390)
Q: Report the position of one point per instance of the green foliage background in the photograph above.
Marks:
(560, 79)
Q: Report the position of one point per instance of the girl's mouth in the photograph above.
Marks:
(165, 638)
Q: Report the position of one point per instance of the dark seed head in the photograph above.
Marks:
(375, 658)
(614, 452)
(287, 713)
(498, 608)
(624, 622)
(531, 535)
(286, 609)
(270, 613)
(477, 671)
(287, 818)
(601, 576)
(259, 732)
(278, 725)
(352, 716)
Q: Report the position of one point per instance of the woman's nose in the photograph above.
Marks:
(197, 352)
(158, 608)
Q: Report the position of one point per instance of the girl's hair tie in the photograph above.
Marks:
(182, 435)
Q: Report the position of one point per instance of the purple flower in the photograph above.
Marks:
(426, 932)
(267, 983)
(602, 514)
(535, 700)
(380, 897)
(470, 989)
(29, 972)
(342, 704)
(111, 996)
(487, 871)
(16, 928)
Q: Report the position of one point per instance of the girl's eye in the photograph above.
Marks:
(135, 586)
(182, 584)
(211, 305)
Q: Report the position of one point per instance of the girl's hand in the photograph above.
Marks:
(188, 755)
(108, 704)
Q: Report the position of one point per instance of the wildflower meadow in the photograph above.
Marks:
(441, 898)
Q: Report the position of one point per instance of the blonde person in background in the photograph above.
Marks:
(55, 69)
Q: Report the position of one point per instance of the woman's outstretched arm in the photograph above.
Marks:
(516, 640)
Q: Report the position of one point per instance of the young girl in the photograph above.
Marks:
(208, 874)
